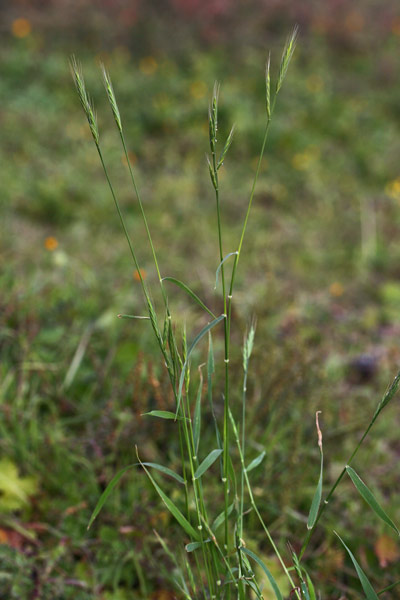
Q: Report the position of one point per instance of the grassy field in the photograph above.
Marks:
(320, 271)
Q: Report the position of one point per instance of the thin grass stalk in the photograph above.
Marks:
(213, 125)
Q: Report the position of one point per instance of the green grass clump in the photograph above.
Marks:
(217, 563)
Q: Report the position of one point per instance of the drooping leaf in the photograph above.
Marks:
(194, 297)
(173, 509)
(220, 265)
(165, 470)
(366, 585)
(207, 462)
(268, 573)
(370, 498)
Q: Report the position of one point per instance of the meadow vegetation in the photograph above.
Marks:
(319, 270)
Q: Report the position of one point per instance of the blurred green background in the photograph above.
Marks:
(320, 270)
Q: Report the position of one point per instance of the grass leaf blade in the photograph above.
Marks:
(366, 585)
(255, 462)
(220, 265)
(173, 509)
(370, 499)
(165, 470)
(108, 491)
(207, 462)
(187, 289)
(161, 414)
(268, 573)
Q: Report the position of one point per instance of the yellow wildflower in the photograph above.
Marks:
(50, 243)
(21, 28)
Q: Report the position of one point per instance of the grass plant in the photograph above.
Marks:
(218, 564)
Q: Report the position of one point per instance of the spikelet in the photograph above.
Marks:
(213, 117)
(286, 57)
(226, 148)
(111, 97)
(248, 345)
(87, 105)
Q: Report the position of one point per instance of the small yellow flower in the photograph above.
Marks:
(392, 189)
(336, 289)
(21, 28)
(148, 65)
(50, 243)
(136, 275)
(198, 89)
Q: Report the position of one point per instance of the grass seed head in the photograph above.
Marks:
(287, 56)
(111, 97)
(87, 105)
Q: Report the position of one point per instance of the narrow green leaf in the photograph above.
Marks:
(194, 297)
(316, 501)
(310, 585)
(389, 587)
(165, 470)
(195, 545)
(196, 340)
(370, 498)
(268, 573)
(108, 491)
(220, 265)
(207, 462)
(254, 463)
(367, 587)
(173, 509)
(210, 358)
(221, 518)
(161, 414)
(133, 317)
